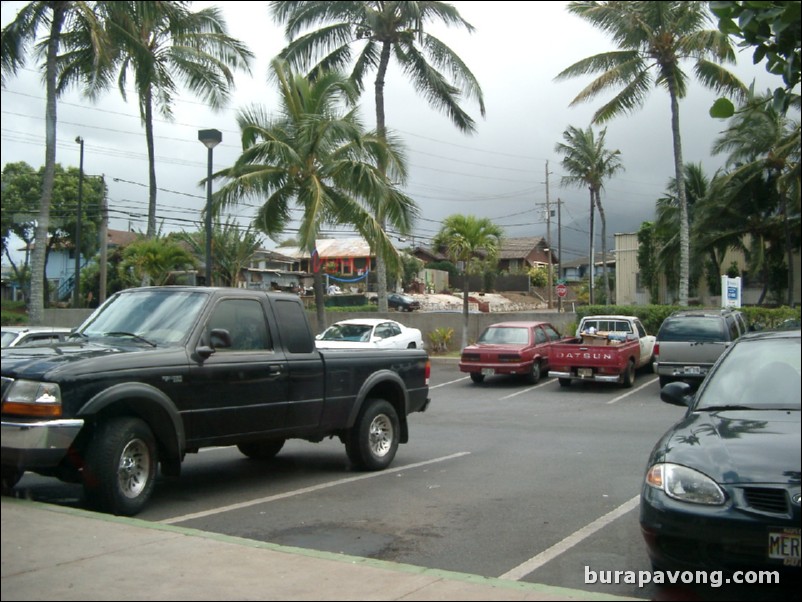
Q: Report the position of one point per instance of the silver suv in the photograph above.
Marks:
(689, 343)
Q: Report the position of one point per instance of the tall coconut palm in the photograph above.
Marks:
(163, 45)
(588, 163)
(381, 30)
(470, 240)
(763, 143)
(62, 21)
(317, 157)
(653, 39)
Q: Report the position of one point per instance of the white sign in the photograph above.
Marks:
(730, 292)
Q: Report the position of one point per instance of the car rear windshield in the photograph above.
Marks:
(505, 336)
(693, 328)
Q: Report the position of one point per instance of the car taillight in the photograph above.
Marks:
(428, 371)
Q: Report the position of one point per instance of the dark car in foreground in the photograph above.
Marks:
(722, 486)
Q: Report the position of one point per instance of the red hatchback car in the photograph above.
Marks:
(520, 348)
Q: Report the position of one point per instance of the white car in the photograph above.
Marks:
(369, 333)
(26, 336)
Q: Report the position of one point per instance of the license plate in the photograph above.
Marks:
(693, 370)
(584, 372)
(488, 371)
(784, 544)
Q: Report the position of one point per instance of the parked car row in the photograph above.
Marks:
(721, 488)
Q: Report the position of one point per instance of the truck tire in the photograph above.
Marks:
(373, 440)
(629, 375)
(477, 377)
(261, 450)
(534, 375)
(120, 468)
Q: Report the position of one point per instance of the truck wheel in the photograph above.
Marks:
(534, 375)
(564, 382)
(629, 375)
(373, 440)
(120, 468)
(261, 450)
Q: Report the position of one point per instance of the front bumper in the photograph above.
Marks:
(38, 444)
(684, 536)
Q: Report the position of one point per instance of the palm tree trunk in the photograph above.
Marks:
(465, 286)
(684, 236)
(381, 130)
(147, 105)
(591, 297)
(39, 255)
(607, 298)
(320, 301)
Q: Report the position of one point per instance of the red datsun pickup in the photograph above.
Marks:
(605, 349)
(520, 348)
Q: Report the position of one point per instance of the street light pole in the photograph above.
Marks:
(76, 297)
(210, 139)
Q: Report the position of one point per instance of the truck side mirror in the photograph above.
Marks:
(219, 338)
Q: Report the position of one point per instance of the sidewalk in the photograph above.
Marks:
(57, 553)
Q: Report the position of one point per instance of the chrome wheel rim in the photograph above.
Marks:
(381, 435)
(134, 469)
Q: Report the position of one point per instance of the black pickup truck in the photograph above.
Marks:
(159, 372)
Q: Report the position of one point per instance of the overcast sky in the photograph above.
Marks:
(499, 172)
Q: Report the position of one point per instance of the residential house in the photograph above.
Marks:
(60, 268)
(271, 270)
(347, 261)
(521, 254)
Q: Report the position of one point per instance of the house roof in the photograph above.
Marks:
(518, 248)
(334, 247)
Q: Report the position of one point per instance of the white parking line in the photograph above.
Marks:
(288, 494)
(569, 542)
(451, 382)
(631, 391)
(522, 391)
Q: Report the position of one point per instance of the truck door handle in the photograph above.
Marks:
(274, 370)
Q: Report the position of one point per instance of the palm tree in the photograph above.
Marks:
(233, 250)
(471, 240)
(653, 39)
(162, 45)
(764, 144)
(697, 187)
(154, 259)
(313, 155)
(70, 25)
(587, 163)
(383, 29)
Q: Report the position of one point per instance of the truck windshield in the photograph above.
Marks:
(160, 317)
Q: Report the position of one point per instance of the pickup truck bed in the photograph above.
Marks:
(607, 348)
(594, 358)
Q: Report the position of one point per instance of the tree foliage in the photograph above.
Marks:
(774, 30)
(314, 155)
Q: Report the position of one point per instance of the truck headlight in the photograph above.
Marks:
(32, 398)
(685, 484)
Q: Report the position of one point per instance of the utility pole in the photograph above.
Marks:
(559, 250)
(548, 239)
(104, 242)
